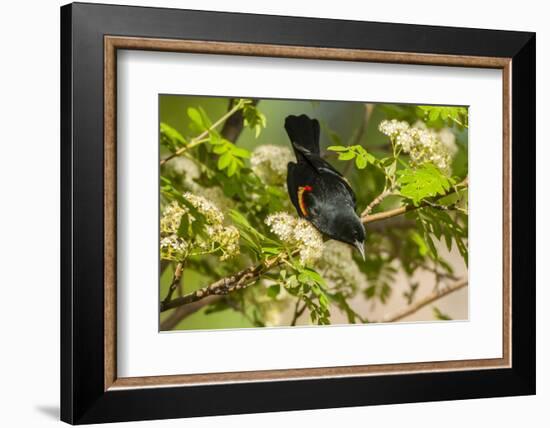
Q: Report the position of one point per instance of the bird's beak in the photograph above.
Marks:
(361, 247)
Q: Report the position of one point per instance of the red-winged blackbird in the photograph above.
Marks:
(318, 191)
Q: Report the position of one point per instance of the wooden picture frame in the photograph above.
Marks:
(91, 390)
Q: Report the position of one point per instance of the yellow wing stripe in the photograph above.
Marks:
(301, 202)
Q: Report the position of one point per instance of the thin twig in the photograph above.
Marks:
(201, 137)
(459, 122)
(176, 278)
(435, 295)
(376, 201)
(297, 312)
(369, 218)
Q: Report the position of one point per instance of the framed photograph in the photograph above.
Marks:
(265, 213)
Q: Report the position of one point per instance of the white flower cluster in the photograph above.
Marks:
(218, 237)
(171, 217)
(297, 233)
(420, 143)
(207, 208)
(339, 269)
(172, 247)
(392, 128)
(226, 237)
(270, 162)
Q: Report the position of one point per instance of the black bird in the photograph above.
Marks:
(319, 192)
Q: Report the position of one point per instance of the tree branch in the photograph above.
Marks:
(184, 311)
(201, 137)
(297, 312)
(376, 201)
(369, 218)
(176, 278)
(234, 124)
(226, 285)
(435, 295)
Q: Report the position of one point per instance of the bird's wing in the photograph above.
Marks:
(292, 185)
(304, 188)
(322, 167)
(317, 163)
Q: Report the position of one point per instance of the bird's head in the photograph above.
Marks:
(347, 227)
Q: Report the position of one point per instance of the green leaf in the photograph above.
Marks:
(195, 116)
(346, 155)
(220, 149)
(419, 241)
(253, 235)
(216, 139)
(385, 293)
(362, 157)
(273, 291)
(370, 158)
(440, 315)
(361, 162)
(323, 301)
(171, 138)
(224, 160)
(451, 229)
(424, 182)
(239, 152)
(440, 115)
(233, 166)
(205, 119)
(422, 226)
(271, 250)
(307, 274)
(370, 291)
(239, 219)
(183, 230)
(337, 148)
(253, 118)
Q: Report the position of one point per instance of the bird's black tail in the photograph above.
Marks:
(303, 132)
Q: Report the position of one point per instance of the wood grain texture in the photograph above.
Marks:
(112, 43)
(295, 374)
(280, 51)
(110, 183)
(507, 213)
